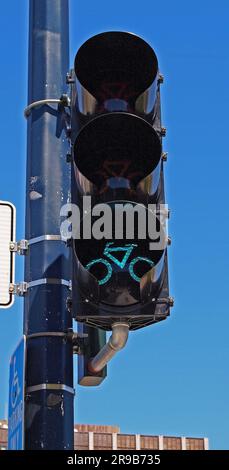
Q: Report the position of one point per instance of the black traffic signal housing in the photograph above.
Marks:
(117, 159)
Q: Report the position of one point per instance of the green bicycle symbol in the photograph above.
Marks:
(110, 251)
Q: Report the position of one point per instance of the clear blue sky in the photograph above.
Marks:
(172, 378)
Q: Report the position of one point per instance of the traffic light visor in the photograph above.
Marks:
(116, 65)
(117, 145)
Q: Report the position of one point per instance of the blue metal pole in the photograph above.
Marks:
(47, 320)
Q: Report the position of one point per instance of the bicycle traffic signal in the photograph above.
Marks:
(118, 216)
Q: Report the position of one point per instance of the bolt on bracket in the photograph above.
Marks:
(164, 156)
(21, 247)
(171, 301)
(160, 78)
(78, 342)
(19, 289)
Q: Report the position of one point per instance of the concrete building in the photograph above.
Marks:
(95, 437)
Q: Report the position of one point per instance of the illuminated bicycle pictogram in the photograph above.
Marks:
(110, 251)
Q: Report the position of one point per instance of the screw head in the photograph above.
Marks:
(160, 78)
(69, 304)
(163, 131)
(69, 78)
(68, 130)
(69, 157)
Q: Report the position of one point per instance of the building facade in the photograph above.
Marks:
(93, 437)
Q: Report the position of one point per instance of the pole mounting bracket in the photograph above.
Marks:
(21, 247)
(64, 101)
(77, 339)
(78, 342)
(19, 289)
(22, 288)
(48, 386)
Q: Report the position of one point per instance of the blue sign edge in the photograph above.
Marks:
(23, 339)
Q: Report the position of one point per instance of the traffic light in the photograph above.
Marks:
(118, 220)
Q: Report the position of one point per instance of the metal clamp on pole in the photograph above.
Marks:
(73, 335)
(44, 238)
(22, 288)
(47, 386)
(22, 247)
(64, 101)
(77, 339)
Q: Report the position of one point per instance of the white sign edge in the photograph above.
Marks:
(13, 231)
